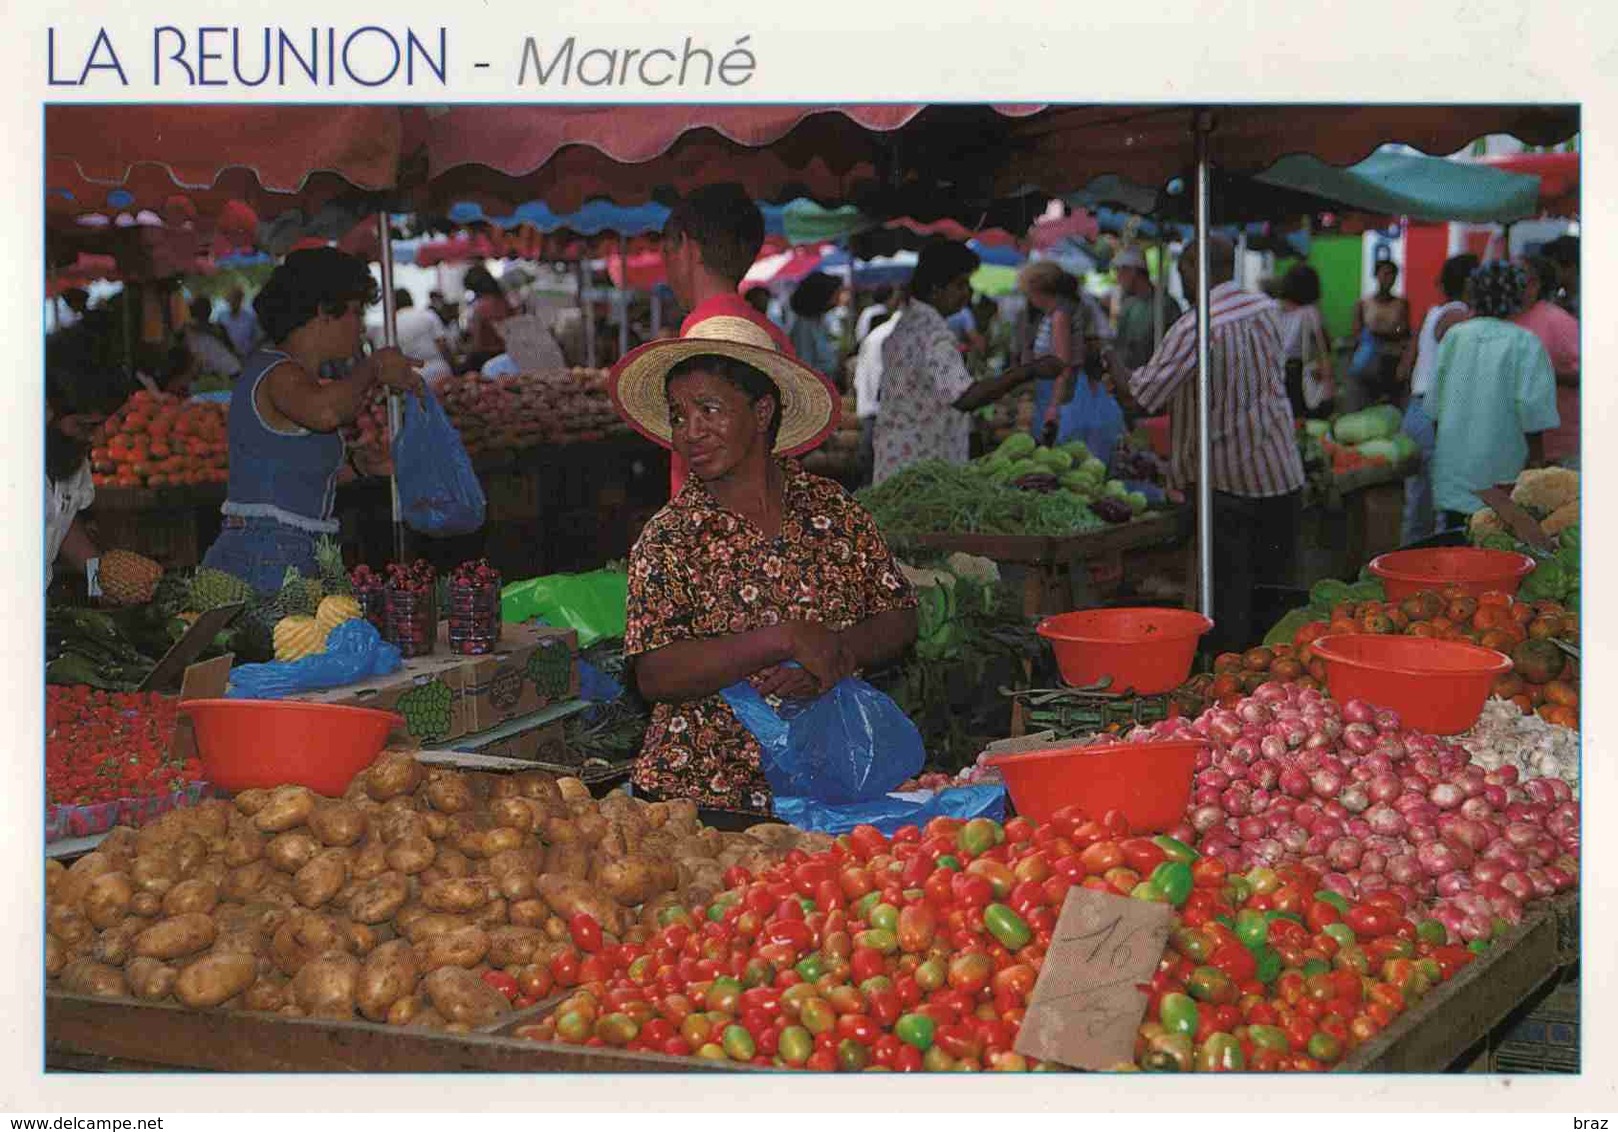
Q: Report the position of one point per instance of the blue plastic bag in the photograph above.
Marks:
(1363, 365)
(439, 493)
(354, 651)
(852, 744)
(890, 813)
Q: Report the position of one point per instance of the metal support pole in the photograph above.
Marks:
(657, 313)
(622, 296)
(390, 337)
(1160, 292)
(587, 312)
(1205, 531)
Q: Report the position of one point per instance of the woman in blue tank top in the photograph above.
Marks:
(285, 450)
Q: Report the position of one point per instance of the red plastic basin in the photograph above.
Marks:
(1145, 650)
(1150, 783)
(1477, 571)
(1435, 686)
(257, 744)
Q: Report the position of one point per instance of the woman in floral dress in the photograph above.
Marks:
(756, 570)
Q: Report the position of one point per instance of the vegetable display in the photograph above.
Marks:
(920, 953)
(1292, 776)
(105, 746)
(396, 903)
(934, 497)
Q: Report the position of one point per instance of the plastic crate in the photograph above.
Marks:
(1545, 1040)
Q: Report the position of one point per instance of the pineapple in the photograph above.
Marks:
(298, 636)
(333, 574)
(212, 588)
(295, 596)
(335, 610)
(128, 578)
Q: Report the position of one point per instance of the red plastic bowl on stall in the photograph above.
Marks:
(257, 744)
(1436, 686)
(1146, 650)
(1150, 783)
(1477, 571)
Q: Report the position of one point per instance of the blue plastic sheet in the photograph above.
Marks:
(596, 686)
(355, 651)
(851, 744)
(890, 813)
(439, 493)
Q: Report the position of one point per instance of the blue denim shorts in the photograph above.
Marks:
(259, 551)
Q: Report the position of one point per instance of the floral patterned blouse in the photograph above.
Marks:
(699, 570)
(922, 377)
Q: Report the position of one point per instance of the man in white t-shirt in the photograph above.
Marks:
(868, 380)
(422, 335)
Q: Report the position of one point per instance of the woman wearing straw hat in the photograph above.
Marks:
(756, 570)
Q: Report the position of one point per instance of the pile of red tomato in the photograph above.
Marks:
(920, 952)
(104, 746)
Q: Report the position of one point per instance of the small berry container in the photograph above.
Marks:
(474, 609)
(410, 610)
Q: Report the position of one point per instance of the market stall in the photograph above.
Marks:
(1336, 875)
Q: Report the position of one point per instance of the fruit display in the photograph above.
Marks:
(474, 608)
(160, 440)
(212, 588)
(128, 578)
(108, 746)
(298, 636)
(410, 607)
(504, 414)
(420, 898)
(336, 609)
(370, 591)
(919, 952)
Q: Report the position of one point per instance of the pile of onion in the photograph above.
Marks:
(1289, 774)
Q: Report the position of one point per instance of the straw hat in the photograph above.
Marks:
(809, 405)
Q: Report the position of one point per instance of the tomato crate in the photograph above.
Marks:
(1545, 1039)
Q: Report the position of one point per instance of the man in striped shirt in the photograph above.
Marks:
(1257, 473)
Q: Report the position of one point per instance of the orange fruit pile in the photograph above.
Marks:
(160, 440)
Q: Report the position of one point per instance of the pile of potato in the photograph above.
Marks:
(388, 903)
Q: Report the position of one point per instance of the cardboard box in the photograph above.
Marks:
(444, 696)
(546, 744)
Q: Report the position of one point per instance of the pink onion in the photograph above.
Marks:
(1294, 782)
(1338, 883)
(1496, 797)
(1453, 884)
(1204, 758)
(1263, 773)
(1385, 820)
(1251, 710)
(1306, 814)
(1488, 871)
(1540, 790)
(1468, 833)
(1437, 858)
(1250, 828)
(1421, 834)
(1519, 884)
(1333, 809)
(1359, 738)
(1355, 799)
(1521, 834)
(1502, 776)
(1560, 880)
(1543, 885)
(1476, 808)
(1223, 726)
(1237, 800)
(1326, 783)
(1446, 796)
(1506, 853)
(1368, 883)
(1373, 862)
(1272, 747)
(1383, 788)
(1358, 711)
(1205, 817)
(1386, 720)
(1293, 837)
(1345, 853)
(1403, 869)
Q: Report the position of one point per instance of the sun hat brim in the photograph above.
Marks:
(810, 406)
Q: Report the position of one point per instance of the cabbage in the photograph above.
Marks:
(1367, 424)
(1383, 446)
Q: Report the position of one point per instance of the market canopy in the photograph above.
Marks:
(1413, 185)
(1558, 175)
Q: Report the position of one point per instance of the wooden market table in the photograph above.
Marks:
(86, 1033)
(1055, 583)
(1440, 1031)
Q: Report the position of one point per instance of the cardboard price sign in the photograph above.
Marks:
(1087, 1003)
